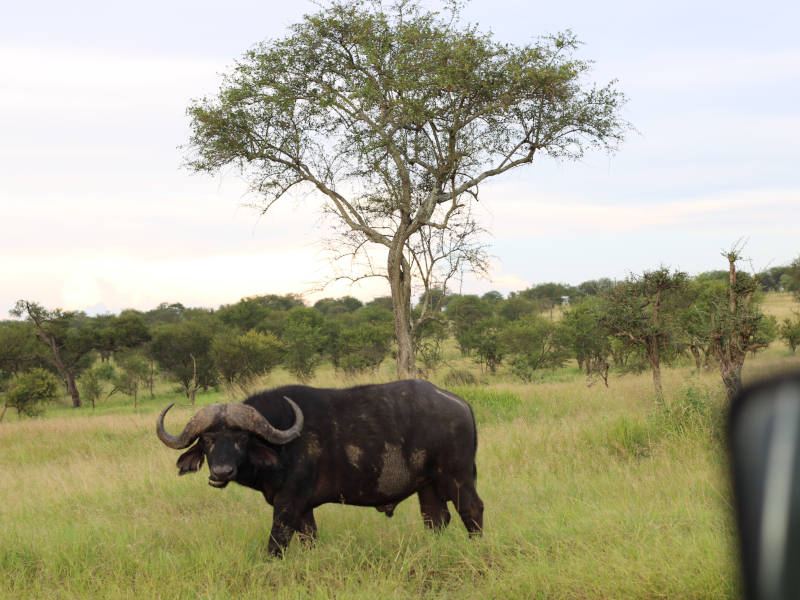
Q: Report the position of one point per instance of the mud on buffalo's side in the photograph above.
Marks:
(371, 445)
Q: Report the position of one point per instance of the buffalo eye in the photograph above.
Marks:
(208, 443)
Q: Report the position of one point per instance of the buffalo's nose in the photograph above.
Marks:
(222, 472)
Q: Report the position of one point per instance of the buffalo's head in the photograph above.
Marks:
(227, 435)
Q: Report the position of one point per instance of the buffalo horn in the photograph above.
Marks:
(239, 416)
(243, 416)
(205, 418)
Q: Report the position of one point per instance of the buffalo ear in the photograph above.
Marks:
(191, 460)
(262, 455)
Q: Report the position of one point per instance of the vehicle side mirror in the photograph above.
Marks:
(764, 438)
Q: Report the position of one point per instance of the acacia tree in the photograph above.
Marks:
(394, 116)
(737, 325)
(68, 337)
(644, 311)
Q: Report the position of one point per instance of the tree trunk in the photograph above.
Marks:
(400, 284)
(66, 373)
(3, 414)
(72, 388)
(150, 380)
(698, 363)
(655, 364)
(732, 378)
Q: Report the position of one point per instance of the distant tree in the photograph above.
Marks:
(703, 296)
(533, 343)
(644, 311)
(493, 296)
(737, 325)
(595, 287)
(429, 342)
(68, 338)
(132, 372)
(29, 391)
(465, 314)
(241, 358)
(91, 385)
(182, 349)
(165, 313)
(365, 346)
(436, 298)
(334, 306)
(586, 337)
(115, 333)
(516, 307)
(396, 115)
(19, 348)
(549, 295)
(304, 339)
(789, 331)
(792, 282)
(488, 344)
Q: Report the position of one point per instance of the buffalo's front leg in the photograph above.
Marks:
(279, 537)
(308, 528)
(290, 516)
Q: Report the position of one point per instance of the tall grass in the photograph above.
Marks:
(91, 506)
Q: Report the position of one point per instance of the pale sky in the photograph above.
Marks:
(97, 213)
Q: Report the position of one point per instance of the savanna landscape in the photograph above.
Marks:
(590, 492)
(363, 134)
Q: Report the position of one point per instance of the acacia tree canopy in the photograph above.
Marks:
(395, 116)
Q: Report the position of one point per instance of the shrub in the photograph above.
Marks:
(29, 391)
(364, 347)
(631, 438)
(90, 384)
(241, 358)
(691, 412)
(456, 377)
(789, 331)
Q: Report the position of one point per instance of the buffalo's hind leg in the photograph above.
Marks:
(433, 508)
(468, 504)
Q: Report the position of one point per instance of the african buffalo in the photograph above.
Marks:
(372, 445)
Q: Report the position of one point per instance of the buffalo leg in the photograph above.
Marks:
(434, 509)
(468, 504)
(307, 531)
(279, 537)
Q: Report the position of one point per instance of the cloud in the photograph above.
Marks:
(549, 214)
(716, 68)
(68, 81)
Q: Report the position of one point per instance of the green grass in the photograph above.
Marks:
(91, 507)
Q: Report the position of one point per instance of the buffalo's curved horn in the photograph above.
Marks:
(205, 418)
(243, 416)
(240, 416)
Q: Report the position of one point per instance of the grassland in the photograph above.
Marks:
(590, 492)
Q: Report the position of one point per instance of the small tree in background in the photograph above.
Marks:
(68, 338)
(789, 331)
(533, 343)
(364, 347)
(182, 349)
(583, 333)
(29, 391)
(241, 358)
(133, 372)
(644, 311)
(304, 339)
(738, 326)
(488, 344)
(465, 313)
(91, 385)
